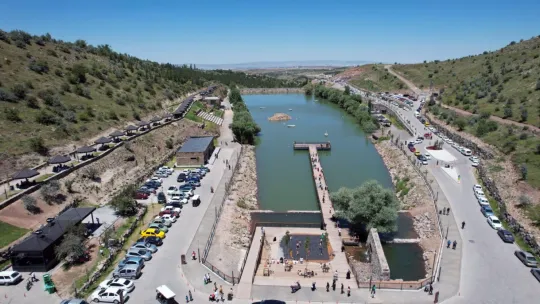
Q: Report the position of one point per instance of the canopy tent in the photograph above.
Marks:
(25, 174)
(167, 116)
(116, 134)
(59, 159)
(85, 149)
(131, 128)
(155, 119)
(142, 123)
(103, 140)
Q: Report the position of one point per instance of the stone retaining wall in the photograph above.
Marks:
(380, 268)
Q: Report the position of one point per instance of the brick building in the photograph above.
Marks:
(195, 152)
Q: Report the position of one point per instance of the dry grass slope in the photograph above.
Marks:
(374, 78)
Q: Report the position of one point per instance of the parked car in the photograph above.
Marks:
(153, 232)
(486, 210)
(526, 258)
(187, 192)
(10, 277)
(151, 240)
(158, 219)
(145, 246)
(536, 273)
(494, 222)
(505, 235)
(146, 190)
(74, 301)
(187, 186)
(412, 149)
(427, 156)
(131, 261)
(161, 198)
(124, 284)
(205, 169)
(155, 179)
(483, 201)
(479, 192)
(475, 163)
(109, 295)
(158, 226)
(172, 190)
(167, 169)
(181, 177)
(474, 159)
(193, 183)
(161, 175)
(141, 253)
(169, 217)
(141, 195)
(476, 187)
(417, 153)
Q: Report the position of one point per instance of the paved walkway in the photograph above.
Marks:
(210, 117)
(339, 262)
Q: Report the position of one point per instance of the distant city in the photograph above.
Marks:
(281, 64)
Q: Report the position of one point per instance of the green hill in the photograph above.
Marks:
(61, 91)
(504, 83)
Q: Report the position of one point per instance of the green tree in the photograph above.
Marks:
(124, 204)
(30, 204)
(72, 246)
(50, 191)
(78, 72)
(507, 112)
(370, 205)
(461, 123)
(38, 145)
(524, 114)
(347, 90)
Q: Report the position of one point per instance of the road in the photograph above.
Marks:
(490, 273)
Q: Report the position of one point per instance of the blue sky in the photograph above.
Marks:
(211, 32)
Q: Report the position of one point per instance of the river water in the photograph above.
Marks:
(283, 174)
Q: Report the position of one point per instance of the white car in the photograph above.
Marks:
(479, 192)
(169, 217)
(482, 200)
(172, 190)
(494, 222)
(476, 187)
(427, 156)
(109, 295)
(475, 164)
(125, 284)
(418, 141)
(187, 192)
(474, 159)
(155, 178)
(172, 208)
(165, 168)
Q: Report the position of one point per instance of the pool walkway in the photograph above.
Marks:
(339, 262)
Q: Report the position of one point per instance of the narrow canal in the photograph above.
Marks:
(284, 179)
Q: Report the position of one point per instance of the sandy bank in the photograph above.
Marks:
(279, 117)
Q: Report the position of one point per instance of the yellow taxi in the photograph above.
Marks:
(153, 232)
(427, 124)
(417, 153)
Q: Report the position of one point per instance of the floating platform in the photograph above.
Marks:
(319, 145)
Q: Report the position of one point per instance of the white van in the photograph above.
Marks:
(196, 200)
(10, 277)
(466, 152)
(416, 114)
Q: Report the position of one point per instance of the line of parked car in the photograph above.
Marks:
(130, 268)
(506, 236)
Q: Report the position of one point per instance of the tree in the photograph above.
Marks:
(507, 112)
(370, 106)
(524, 171)
(30, 204)
(71, 246)
(50, 191)
(124, 204)
(461, 123)
(78, 72)
(524, 114)
(12, 114)
(38, 145)
(347, 90)
(537, 87)
(370, 205)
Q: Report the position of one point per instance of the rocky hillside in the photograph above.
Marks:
(54, 92)
(504, 83)
(372, 77)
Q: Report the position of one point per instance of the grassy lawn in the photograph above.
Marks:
(152, 211)
(171, 163)
(43, 177)
(10, 234)
(219, 113)
(191, 113)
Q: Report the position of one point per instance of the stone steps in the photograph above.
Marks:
(210, 118)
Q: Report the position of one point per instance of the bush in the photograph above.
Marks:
(4, 37)
(32, 102)
(30, 204)
(524, 201)
(38, 145)
(52, 53)
(65, 87)
(46, 118)
(18, 35)
(19, 90)
(39, 66)
(524, 171)
(169, 143)
(112, 115)
(58, 73)
(109, 92)
(50, 191)
(7, 96)
(12, 114)
(78, 72)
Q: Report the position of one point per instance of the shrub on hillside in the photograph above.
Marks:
(65, 87)
(12, 114)
(46, 118)
(52, 53)
(58, 73)
(4, 37)
(7, 96)
(30, 204)
(39, 66)
(78, 73)
(38, 145)
(32, 102)
(19, 90)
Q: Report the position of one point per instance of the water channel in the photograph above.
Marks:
(284, 178)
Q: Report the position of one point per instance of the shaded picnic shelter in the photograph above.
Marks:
(115, 135)
(25, 174)
(37, 251)
(130, 129)
(102, 141)
(85, 150)
(168, 116)
(143, 124)
(59, 160)
(155, 120)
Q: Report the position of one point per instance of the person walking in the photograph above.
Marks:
(348, 291)
(430, 289)
(327, 287)
(463, 225)
(448, 244)
(454, 245)
(373, 290)
(190, 296)
(342, 289)
(334, 286)
(448, 211)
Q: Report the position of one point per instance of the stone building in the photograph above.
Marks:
(196, 151)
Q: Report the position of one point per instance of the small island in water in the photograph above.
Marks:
(279, 117)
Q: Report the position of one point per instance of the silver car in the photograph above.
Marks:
(140, 253)
(146, 246)
(526, 258)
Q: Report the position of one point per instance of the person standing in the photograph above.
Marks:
(373, 290)
(190, 296)
(342, 289)
(448, 244)
(327, 287)
(463, 225)
(348, 291)
(334, 286)
(454, 245)
(430, 289)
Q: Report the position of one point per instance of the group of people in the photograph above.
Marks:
(449, 242)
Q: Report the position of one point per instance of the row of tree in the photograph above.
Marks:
(353, 104)
(244, 128)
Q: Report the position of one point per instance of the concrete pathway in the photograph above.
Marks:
(211, 118)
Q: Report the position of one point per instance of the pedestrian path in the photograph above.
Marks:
(339, 262)
(210, 118)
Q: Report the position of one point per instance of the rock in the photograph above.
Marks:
(280, 117)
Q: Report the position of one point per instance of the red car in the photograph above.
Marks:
(174, 213)
(141, 195)
(412, 149)
(428, 136)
